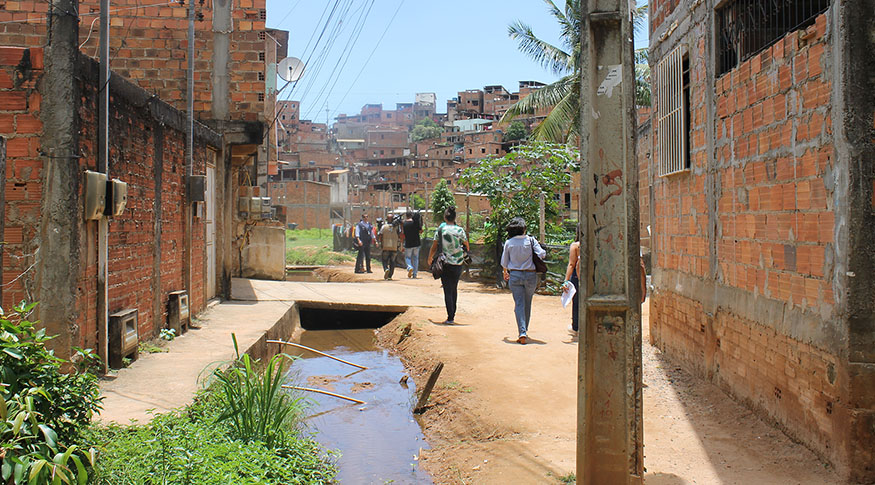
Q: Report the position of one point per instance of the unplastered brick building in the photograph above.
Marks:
(760, 183)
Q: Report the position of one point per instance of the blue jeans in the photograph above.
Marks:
(522, 285)
(411, 257)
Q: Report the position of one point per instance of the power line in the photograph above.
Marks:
(344, 58)
(369, 57)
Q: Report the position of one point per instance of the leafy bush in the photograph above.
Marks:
(42, 409)
(255, 403)
(30, 449)
(191, 446)
(67, 401)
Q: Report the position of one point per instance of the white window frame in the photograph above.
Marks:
(671, 114)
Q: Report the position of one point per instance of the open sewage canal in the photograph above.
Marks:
(379, 441)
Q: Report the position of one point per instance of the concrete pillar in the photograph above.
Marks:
(61, 219)
(855, 146)
(609, 416)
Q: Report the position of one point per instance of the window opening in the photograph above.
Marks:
(746, 27)
(673, 107)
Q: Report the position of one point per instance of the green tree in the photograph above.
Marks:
(516, 131)
(513, 184)
(425, 128)
(417, 202)
(441, 198)
(642, 77)
(562, 97)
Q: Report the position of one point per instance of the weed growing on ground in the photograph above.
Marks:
(167, 334)
(150, 348)
(570, 478)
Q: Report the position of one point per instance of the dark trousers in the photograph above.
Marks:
(575, 301)
(450, 281)
(388, 259)
(364, 256)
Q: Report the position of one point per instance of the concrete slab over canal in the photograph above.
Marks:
(258, 311)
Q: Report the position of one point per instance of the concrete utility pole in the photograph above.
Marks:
(609, 417)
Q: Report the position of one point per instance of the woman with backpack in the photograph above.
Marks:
(517, 260)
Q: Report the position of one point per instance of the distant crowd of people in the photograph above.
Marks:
(522, 259)
(394, 237)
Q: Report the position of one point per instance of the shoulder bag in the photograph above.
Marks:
(437, 264)
(540, 265)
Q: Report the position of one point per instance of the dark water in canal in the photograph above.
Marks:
(379, 441)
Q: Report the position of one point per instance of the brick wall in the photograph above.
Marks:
(147, 145)
(306, 203)
(20, 73)
(746, 243)
(645, 146)
(148, 44)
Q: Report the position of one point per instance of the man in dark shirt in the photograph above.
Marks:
(410, 236)
(364, 233)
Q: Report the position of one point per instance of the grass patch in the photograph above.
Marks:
(309, 237)
(309, 256)
(191, 446)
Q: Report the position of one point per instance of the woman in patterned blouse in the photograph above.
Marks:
(454, 244)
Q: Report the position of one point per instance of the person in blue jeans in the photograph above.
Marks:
(410, 236)
(519, 272)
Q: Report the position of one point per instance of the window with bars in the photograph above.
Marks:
(673, 107)
(746, 27)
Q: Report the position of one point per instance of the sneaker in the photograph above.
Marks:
(368, 271)
(521, 340)
(410, 273)
(571, 329)
(386, 274)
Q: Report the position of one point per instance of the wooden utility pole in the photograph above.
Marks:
(609, 417)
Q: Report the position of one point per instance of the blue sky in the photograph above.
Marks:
(430, 46)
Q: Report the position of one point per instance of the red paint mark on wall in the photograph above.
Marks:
(611, 178)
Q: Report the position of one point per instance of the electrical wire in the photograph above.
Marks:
(369, 57)
(342, 60)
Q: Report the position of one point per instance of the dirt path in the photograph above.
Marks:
(505, 413)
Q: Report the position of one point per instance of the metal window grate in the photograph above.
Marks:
(746, 27)
(672, 120)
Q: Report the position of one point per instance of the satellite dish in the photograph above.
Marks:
(290, 69)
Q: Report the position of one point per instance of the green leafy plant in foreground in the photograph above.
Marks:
(42, 409)
(255, 403)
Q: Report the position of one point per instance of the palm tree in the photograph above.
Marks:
(562, 97)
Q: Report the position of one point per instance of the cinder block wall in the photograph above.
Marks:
(753, 246)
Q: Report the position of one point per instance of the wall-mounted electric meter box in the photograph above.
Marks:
(95, 195)
(116, 197)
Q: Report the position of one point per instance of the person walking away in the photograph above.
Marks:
(454, 244)
(389, 239)
(364, 233)
(410, 235)
(519, 272)
(572, 279)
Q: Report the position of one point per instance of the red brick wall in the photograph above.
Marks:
(775, 141)
(131, 236)
(306, 203)
(20, 73)
(645, 147)
(769, 238)
(148, 44)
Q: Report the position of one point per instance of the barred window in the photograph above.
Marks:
(673, 108)
(746, 27)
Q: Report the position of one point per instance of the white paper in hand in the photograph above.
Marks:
(567, 295)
